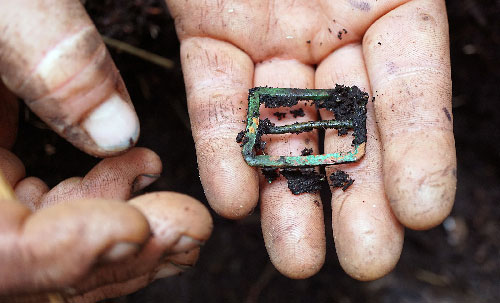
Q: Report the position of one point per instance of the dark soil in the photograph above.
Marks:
(298, 113)
(279, 115)
(341, 179)
(270, 173)
(241, 138)
(348, 104)
(455, 262)
(305, 180)
(300, 180)
(306, 151)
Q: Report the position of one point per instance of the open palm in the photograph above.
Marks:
(396, 51)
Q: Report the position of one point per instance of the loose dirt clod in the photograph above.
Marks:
(341, 179)
(300, 180)
(240, 138)
(279, 115)
(306, 151)
(349, 103)
(304, 180)
(264, 126)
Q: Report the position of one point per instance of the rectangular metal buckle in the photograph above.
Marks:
(346, 104)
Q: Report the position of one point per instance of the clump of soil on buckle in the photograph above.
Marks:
(263, 128)
(348, 103)
(241, 138)
(297, 113)
(260, 145)
(341, 179)
(305, 180)
(279, 115)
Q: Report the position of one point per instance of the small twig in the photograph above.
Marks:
(138, 52)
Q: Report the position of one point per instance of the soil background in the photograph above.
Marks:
(458, 261)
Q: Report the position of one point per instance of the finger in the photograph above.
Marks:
(292, 225)
(55, 247)
(65, 74)
(407, 57)
(116, 289)
(11, 167)
(8, 117)
(110, 291)
(30, 191)
(368, 238)
(113, 178)
(178, 223)
(218, 77)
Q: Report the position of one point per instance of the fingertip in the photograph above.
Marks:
(426, 207)
(113, 126)
(422, 191)
(297, 268)
(11, 167)
(293, 230)
(151, 161)
(230, 185)
(368, 238)
(30, 190)
(234, 204)
(174, 215)
(69, 79)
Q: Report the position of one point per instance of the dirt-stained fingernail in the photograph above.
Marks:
(119, 251)
(185, 243)
(113, 125)
(143, 181)
(167, 270)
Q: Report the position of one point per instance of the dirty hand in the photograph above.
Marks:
(80, 240)
(396, 51)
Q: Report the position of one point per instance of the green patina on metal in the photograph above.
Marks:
(345, 102)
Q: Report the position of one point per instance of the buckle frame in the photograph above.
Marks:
(288, 97)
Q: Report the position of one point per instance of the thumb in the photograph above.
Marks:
(52, 56)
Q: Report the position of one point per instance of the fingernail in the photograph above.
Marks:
(120, 251)
(185, 243)
(144, 180)
(113, 125)
(168, 270)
